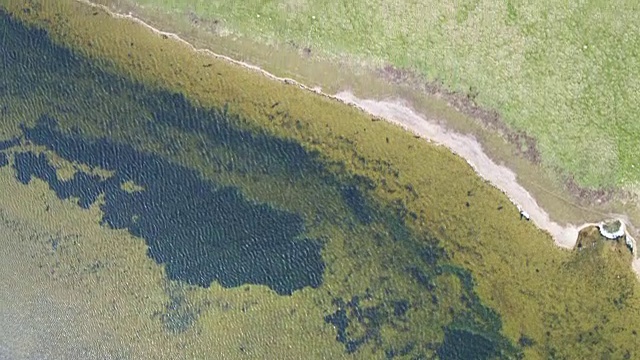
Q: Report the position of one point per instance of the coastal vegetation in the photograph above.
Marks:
(421, 256)
(564, 76)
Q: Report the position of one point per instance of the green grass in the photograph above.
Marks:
(566, 73)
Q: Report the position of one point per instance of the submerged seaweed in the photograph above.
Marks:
(202, 232)
(205, 231)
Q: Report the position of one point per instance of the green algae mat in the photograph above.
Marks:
(566, 74)
(161, 203)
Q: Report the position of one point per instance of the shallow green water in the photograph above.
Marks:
(565, 73)
(223, 209)
(395, 218)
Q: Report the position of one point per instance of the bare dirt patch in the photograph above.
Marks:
(465, 103)
(597, 196)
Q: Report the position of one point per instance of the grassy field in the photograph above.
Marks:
(551, 303)
(568, 74)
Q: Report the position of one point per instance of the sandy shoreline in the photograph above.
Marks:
(402, 115)
(471, 150)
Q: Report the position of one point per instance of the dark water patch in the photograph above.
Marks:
(340, 321)
(286, 264)
(32, 52)
(178, 318)
(395, 214)
(525, 341)
(422, 277)
(370, 319)
(356, 202)
(424, 262)
(84, 186)
(264, 154)
(6, 144)
(355, 192)
(476, 315)
(466, 345)
(203, 233)
(35, 66)
(179, 314)
(430, 253)
(357, 324)
(475, 332)
(400, 307)
(393, 352)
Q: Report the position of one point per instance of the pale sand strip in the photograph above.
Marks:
(465, 146)
(468, 148)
